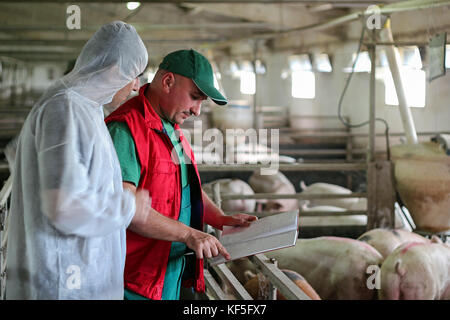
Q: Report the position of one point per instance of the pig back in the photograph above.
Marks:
(387, 240)
(233, 186)
(277, 184)
(416, 271)
(335, 267)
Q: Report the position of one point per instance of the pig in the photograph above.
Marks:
(277, 184)
(354, 220)
(416, 271)
(254, 153)
(335, 205)
(359, 205)
(387, 240)
(233, 186)
(306, 208)
(335, 267)
(258, 286)
(330, 220)
(325, 188)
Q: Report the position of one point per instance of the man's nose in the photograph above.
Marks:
(196, 109)
(136, 84)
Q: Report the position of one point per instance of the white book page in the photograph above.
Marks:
(264, 227)
(266, 234)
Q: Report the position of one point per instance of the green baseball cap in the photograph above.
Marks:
(195, 66)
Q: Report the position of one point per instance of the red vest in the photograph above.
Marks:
(146, 260)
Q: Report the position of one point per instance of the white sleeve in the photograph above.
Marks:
(76, 199)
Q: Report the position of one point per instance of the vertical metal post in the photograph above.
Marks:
(255, 97)
(272, 288)
(218, 201)
(371, 154)
(216, 194)
(370, 158)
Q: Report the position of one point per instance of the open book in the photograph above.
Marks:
(266, 234)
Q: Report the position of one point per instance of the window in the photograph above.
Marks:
(322, 62)
(248, 82)
(248, 78)
(363, 64)
(447, 56)
(216, 75)
(414, 87)
(303, 84)
(411, 57)
(216, 83)
(414, 79)
(234, 70)
(150, 76)
(303, 79)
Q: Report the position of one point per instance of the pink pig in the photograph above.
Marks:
(417, 271)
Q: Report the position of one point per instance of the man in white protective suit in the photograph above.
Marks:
(69, 212)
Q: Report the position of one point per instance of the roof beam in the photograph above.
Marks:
(403, 6)
(80, 43)
(146, 27)
(368, 2)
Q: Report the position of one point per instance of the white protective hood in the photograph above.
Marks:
(112, 58)
(69, 211)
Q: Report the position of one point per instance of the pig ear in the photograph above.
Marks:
(303, 205)
(248, 275)
(436, 239)
(399, 269)
(303, 185)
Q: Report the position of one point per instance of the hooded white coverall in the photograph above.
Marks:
(69, 211)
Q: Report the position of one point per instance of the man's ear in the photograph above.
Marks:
(168, 81)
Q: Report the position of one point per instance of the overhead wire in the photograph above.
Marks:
(341, 98)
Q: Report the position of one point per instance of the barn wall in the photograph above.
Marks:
(272, 90)
(44, 74)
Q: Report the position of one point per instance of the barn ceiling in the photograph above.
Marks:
(37, 31)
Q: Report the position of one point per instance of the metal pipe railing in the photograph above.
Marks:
(4, 216)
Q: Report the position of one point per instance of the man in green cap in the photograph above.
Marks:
(154, 155)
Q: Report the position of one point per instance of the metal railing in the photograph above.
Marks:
(4, 218)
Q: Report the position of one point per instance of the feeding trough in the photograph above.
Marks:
(422, 175)
(422, 170)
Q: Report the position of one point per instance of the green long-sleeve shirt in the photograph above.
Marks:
(131, 171)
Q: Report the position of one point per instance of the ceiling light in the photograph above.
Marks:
(412, 58)
(322, 62)
(300, 62)
(260, 67)
(133, 5)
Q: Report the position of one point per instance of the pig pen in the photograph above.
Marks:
(219, 277)
(329, 172)
(222, 284)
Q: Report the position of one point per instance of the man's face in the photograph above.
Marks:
(183, 100)
(124, 93)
